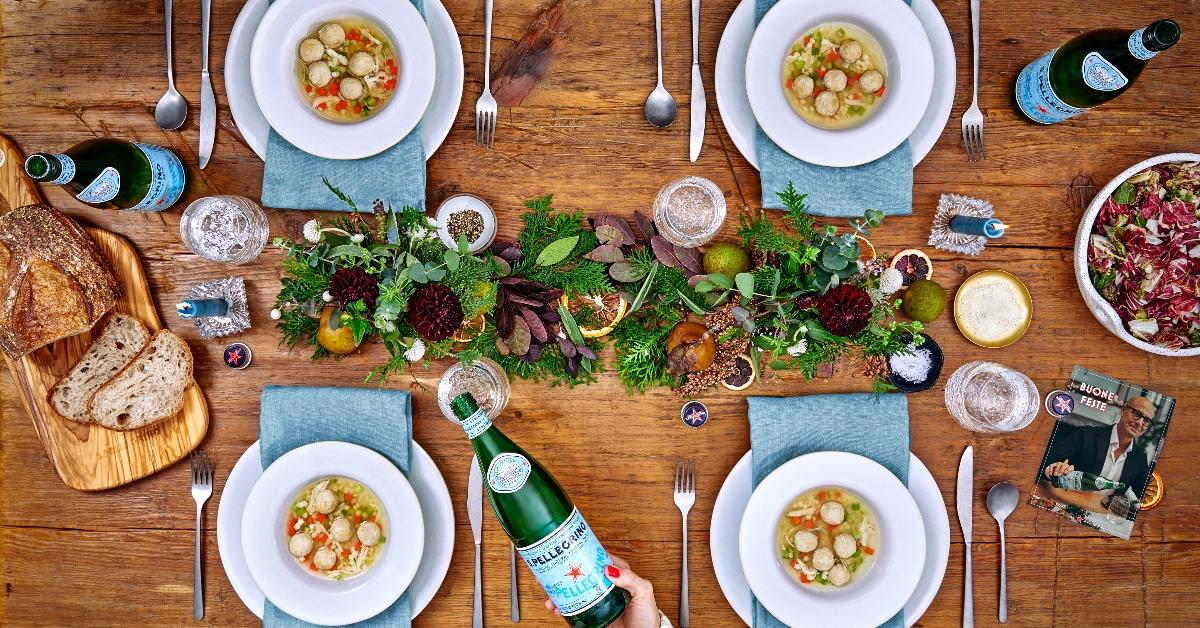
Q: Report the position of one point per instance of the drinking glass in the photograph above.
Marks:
(224, 228)
(689, 211)
(483, 378)
(989, 397)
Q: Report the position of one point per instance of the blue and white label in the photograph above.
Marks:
(1101, 75)
(1137, 47)
(508, 472)
(569, 564)
(1036, 97)
(167, 179)
(67, 172)
(476, 424)
(103, 188)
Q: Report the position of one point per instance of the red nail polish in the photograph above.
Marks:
(613, 572)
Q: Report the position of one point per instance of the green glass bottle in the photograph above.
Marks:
(558, 546)
(115, 174)
(1084, 481)
(1091, 69)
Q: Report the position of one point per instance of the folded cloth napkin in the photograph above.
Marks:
(884, 184)
(782, 428)
(290, 417)
(292, 177)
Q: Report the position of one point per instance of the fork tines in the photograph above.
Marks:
(485, 127)
(973, 141)
(685, 477)
(201, 468)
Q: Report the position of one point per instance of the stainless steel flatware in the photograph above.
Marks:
(964, 503)
(1001, 502)
(685, 498)
(171, 110)
(485, 107)
(972, 120)
(515, 608)
(698, 106)
(208, 100)
(202, 488)
(475, 514)
(660, 105)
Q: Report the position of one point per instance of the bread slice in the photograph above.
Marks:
(149, 389)
(122, 338)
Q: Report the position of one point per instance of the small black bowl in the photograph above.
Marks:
(935, 369)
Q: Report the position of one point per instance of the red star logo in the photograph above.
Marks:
(234, 355)
(576, 573)
(1041, 109)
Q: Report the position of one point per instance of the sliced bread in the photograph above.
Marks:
(149, 389)
(122, 338)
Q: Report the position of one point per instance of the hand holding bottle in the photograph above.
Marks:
(1059, 468)
(642, 611)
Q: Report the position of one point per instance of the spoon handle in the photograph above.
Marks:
(170, 63)
(658, 35)
(1003, 579)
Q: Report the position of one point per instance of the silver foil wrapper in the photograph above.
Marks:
(237, 319)
(950, 205)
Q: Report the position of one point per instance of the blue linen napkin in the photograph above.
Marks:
(292, 177)
(293, 416)
(782, 428)
(884, 184)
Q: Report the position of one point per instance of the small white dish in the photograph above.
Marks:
(273, 76)
(883, 591)
(462, 202)
(285, 582)
(910, 71)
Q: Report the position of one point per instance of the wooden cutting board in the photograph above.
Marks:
(90, 457)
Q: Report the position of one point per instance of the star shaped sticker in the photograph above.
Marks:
(1063, 404)
(576, 573)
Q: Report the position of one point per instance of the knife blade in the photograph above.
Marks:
(698, 105)
(475, 515)
(208, 100)
(964, 503)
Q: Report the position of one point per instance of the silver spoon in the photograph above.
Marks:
(1001, 502)
(171, 110)
(660, 106)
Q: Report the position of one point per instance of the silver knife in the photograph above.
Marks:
(964, 504)
(208, 100)
(697, 106)
(475, 514)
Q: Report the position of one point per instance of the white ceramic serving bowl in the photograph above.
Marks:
(1100, 308)
(273, 76)
(910, 69)
(290, 586)
(882, 591)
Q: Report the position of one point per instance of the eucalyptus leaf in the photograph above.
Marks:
(557, 251)
(704, 285)
(775, 283)
(464, 247)
(745, 284)
(874, 218)
(778, 365)
(608, 234)
(626, 272)
(451, 258)
(605, 254)
(416, 270)
(437, 274)
(721, 280)
(831, 258)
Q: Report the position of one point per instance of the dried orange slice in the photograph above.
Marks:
(609, 308)
(471, 329)
(866, 250)
(1153, 494)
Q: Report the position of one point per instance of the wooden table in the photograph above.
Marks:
(75, 69)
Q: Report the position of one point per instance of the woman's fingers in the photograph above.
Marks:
(549, 605)
(639, 588)
(621, 563)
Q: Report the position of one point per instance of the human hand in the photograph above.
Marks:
(1055, 469)
(642, 610)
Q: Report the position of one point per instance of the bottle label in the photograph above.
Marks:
(1036, 97)
(476, 424)
(508, 472)
(167, 179)
(68, 169)
(1137, 48)
(103, 188)
(1102, 75)
(569, 564)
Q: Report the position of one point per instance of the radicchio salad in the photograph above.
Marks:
(1144, 254)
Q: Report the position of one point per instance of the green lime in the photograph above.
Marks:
(726, 258)
(924, 300)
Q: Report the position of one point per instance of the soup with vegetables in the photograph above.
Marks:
(335, 528)
(827, 538)
(835, 76)
(347, 69)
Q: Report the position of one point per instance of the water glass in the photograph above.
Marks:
(483, 378)
(689, 211)
(224, 228)
(989, 397)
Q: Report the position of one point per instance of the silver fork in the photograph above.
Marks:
(972, 120)
(485, 107)
(685, 497)
(202, 481)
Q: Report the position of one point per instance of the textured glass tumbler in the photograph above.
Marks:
(483, 378)
(689, 211)
(989, 397)
(224, 228)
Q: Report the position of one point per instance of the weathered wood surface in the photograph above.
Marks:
(74, 69)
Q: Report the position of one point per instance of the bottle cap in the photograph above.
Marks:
(238, 355)
(1060, 403)
(464, 405)
(694, 414)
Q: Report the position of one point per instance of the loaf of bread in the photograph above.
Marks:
(122, 338)
(55, 281)
(149, 389)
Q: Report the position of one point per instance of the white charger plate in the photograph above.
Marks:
(731, 504)
(734, 105)
(436, 508)
(435, 123)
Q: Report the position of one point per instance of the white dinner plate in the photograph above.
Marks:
(734, 105)
(436, 508)
(878, 594)
(731, 504)
(435, 123)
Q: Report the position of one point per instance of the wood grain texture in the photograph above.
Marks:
(582, 136)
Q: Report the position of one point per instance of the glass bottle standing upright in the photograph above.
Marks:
(1091, 69)
(114, 174)
(558, 546)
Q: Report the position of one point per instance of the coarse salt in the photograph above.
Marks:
(912, 367)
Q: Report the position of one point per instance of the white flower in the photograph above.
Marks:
(357, 238)
(876, 295)
(312, 231)
(890, 281)
(326, 297)
(798, 348)
(416, 351)
(276, 314)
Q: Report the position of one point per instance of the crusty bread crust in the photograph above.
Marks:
(159, 415)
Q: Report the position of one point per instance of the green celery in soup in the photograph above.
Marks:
(835, 76)
(347, 69)
(827, 538)
(335, 528)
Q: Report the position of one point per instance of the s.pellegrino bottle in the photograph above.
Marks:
(1084, 481)
(1091, 69)
(112, 173)
(558, 546)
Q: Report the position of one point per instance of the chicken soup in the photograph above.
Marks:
(835, 76)
(827, 538)
(335, 528)
(347, 69)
